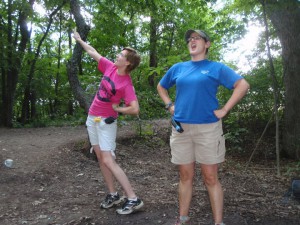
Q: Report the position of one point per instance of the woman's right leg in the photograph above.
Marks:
(107, 174)
(186, 172)
(110, 170)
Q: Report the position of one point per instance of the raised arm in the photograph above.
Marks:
(89, 49)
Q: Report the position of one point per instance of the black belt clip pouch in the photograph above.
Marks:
(109, 120)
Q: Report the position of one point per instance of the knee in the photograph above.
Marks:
(98, 155)
(210, 180)
(187, 176)
(107, 161)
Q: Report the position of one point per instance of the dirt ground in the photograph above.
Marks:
(55, 180)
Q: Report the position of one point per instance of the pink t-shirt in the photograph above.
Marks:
(112, 89)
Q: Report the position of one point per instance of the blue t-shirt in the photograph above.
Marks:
(197, 84)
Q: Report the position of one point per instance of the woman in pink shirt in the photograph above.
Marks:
(116, 84)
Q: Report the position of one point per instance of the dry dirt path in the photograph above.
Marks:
(30, 147)
(53, 182)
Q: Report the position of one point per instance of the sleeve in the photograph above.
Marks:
(129, 94)
(167, 81)
(228, 77)
(104, 64)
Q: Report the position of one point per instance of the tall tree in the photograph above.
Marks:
(2, 68)
(285, 17)
(29, 95)
(153, 39)
(274, 86)
(74, 62)
(59, 52)
(16, 47)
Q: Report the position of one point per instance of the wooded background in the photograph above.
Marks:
(46, 78)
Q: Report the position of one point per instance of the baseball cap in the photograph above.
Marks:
(200, 32)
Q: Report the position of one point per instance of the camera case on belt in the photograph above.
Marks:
(109, 120)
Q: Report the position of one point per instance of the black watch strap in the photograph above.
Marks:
(168, 105)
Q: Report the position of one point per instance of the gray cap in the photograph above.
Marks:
(200, 32)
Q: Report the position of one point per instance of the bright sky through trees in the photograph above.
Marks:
(238, 52)
(241, 52)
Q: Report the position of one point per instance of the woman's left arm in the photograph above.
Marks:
(132, 109)
(241, 88)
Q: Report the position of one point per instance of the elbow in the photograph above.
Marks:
(158, 87)
(136, 112)
(133, 108)
(247, 86)
(243, 85)
(161, 90)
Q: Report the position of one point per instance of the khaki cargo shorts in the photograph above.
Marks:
(203, 143)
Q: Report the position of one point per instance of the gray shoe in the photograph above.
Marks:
(111, 200)
(180, 222)
(130, 206)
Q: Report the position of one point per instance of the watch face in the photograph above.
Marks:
(169, 105)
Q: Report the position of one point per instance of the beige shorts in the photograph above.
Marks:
(203, 143)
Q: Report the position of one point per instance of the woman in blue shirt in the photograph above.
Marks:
(197, 109)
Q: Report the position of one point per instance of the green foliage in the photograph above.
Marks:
(130, 28)
(234, 135)
(292, 169)
(143, 128)
(116, 24)
(78, 118)
(235, 123)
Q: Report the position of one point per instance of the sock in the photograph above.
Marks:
(219, 223)
(114, 193)
(132, 199)
(184, 218)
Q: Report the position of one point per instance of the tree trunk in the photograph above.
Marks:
(285, 17)
(58, 65)
(73, 63)
(275, 88)
(2, 71)
(153, 47)
(14, 58)
(28, 92)
(32, 99)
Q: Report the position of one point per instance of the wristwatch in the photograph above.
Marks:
(167, 107)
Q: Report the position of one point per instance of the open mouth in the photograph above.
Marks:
(193, 46)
